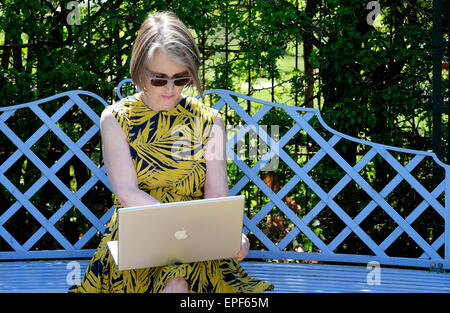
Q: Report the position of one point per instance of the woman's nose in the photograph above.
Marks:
(170, 86)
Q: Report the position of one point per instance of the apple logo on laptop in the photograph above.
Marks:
(181, 234)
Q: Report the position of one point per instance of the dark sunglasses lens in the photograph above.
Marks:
(158, 82)
(182, 81)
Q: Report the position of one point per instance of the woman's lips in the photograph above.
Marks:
(167, 97)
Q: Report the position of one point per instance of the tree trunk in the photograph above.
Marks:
(310, 10)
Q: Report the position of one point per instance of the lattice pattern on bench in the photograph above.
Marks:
(305, 122)
(301, 118)
(23, 148)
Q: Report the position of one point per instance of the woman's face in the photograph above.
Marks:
(166, 97)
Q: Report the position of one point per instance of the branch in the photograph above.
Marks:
(37, 44)
(304, 26)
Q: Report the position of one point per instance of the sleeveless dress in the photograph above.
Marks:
(167, 149)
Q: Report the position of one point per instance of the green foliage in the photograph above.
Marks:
(375, 76)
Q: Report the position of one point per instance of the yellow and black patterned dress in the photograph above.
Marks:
(167, 149)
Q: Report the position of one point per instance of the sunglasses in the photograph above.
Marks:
(159, 81)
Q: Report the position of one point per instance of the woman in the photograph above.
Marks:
(139, 136)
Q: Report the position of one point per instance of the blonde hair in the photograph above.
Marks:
(164, 30)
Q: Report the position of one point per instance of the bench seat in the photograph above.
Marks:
(51, 277)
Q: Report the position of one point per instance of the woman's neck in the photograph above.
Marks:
(157, 107)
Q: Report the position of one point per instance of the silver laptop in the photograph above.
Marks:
(178, 232)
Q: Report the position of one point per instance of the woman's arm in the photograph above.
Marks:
(216, 182)
(119, 165)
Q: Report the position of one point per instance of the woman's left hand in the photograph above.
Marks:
(245, 246)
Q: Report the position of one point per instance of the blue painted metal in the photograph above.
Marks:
(301, 118)
(57, 275)
(49, 174)
(119, 87)
(430, 254)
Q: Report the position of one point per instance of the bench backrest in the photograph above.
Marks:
(274, 204)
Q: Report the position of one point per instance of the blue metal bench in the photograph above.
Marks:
(27, 270)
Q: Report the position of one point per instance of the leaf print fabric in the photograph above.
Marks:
(167, 149)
